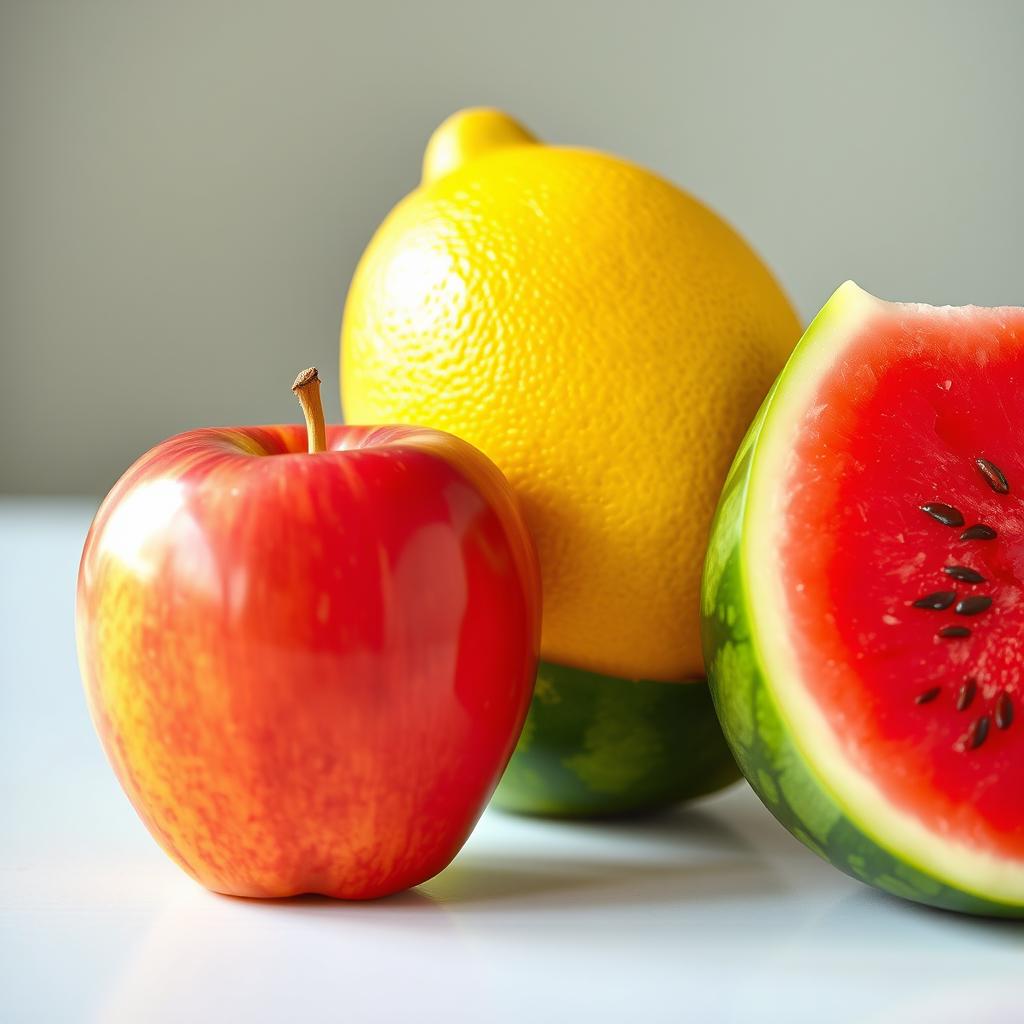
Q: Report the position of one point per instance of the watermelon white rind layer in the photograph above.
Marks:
(780, 738)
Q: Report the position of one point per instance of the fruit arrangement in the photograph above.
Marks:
(311, 654)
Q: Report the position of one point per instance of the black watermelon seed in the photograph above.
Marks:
(973, 605)
(964, 574)
(993, 475)
(976, 732)
(936, 602)
(1004, 710)
(954, 632)
(966, 694)
(928, 696)
(979, 532)
(945, 514)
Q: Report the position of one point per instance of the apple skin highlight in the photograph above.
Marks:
(309, 670)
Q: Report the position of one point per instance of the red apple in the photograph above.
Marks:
(309, 669)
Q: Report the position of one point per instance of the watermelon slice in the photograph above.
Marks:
(863, 599)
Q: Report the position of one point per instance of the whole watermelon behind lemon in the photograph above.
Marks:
(605, 339)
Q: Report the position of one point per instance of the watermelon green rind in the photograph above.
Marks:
(596, 745)
(780, 762)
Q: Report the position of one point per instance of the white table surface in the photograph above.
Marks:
(707, 914)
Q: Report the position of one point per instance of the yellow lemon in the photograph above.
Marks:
(605, 338)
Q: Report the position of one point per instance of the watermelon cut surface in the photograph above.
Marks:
(863, 599)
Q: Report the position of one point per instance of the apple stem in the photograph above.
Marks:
(307, 391)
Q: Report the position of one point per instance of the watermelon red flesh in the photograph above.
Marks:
(898, 421)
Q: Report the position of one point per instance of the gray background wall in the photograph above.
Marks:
(187, 186)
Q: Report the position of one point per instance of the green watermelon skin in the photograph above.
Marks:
(598, 746)
(760, 740)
